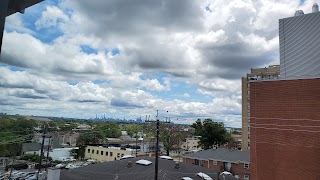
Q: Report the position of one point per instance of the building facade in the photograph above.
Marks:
(285, 129)
(191, 144)
(271, 72)
(299, 38)
(103, 154)
(221, 159)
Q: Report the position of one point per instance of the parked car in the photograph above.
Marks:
(61, 165)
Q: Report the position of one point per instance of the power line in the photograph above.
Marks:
(157, 144)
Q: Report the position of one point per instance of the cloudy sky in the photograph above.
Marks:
(129, 58)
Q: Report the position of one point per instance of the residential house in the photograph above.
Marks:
(31, 148)
(191, 144)
(221, 159)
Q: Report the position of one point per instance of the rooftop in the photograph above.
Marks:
(31, 147)
(120, 170)
(222, 154)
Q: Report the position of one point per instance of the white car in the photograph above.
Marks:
(61, 165)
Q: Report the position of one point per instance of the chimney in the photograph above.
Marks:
(299, 13)
(315, 8)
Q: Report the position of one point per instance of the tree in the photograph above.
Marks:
(78, 153)
(14, 131)
(133, 129)
(212, 133)
(89, 138)
(171, 137)
(108, 129)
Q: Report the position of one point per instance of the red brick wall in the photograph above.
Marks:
(235, 168)
(238, 169)
(188, 160)
(285, 129)
(217, 167)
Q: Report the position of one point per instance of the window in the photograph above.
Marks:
(215, 163)
(111, 154)
(88, 150)
(92, 151)
(106, 153)
(101, 152)
(246, 177)
(122, 155)
(118, 154)
(97, 151)
(246, 166)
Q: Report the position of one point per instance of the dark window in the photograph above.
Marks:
(97, 151)
(122, 155)
(106, 153)
(92, 151)
(88, 150)
(246, 166)
(118, 154)
(101, 152)
(111, 154)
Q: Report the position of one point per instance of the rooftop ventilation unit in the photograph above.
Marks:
(186, 178)
(126, 157)
(177, 165)
(204, 176)
(143, 162)
(129, 164)
(299, 13)
(166, 157)
(315, 8)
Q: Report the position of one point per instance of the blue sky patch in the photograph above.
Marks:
(115, 51)
(12, 68)
(88, 50)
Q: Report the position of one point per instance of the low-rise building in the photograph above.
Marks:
(102, 154)
(221, 159)
(31, 148)
(191, 144)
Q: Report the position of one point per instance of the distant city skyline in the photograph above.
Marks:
(127, 59)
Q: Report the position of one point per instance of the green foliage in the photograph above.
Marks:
(34, 157)
(89, 138)
(212, 133)
(78, 153)
(171, 137)
(108, 129)
(133, 129)
(57, 161)
(14, 131)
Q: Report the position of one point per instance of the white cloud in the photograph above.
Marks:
(207, 49)
(51, 17)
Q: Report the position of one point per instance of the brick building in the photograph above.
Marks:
(234, 161)
(285, 129)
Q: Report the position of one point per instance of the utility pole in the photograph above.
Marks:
(136, 144)
(41, 152)
(48, 148)
(156, 167)
(45, 130)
